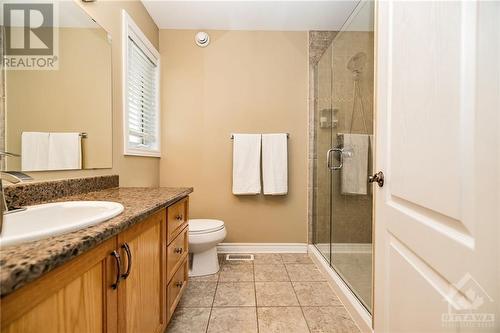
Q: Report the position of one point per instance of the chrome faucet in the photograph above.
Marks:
(3, 205)
(13, 177)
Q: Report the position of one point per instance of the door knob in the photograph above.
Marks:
(378, 178)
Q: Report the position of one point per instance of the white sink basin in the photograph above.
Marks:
(43, 221)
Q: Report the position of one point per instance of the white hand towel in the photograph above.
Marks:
(275, 164)
(246, 164)
(65, 151)
(34, 151)
(354, 172)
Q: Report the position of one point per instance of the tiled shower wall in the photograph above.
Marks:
(352, 213)
(319, 42)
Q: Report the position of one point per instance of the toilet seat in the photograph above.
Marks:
(204, 226)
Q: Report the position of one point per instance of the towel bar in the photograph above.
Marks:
(287, 136)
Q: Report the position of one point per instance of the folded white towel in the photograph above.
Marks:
(34, 151)
(65, 151)
(246, 164)
(275, 164)
(354, 172)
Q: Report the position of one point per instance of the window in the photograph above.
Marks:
(141, 67)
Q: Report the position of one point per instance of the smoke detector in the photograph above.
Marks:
(202, 39)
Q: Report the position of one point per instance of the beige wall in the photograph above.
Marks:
(133, 171)
(252, 82)
(74, 98)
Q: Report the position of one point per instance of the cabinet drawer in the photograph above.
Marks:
(177, 217)
(177, 252)
(177, 286)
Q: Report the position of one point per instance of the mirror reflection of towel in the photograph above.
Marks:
(34, 151)
(354, 172)
(51, 151)
(65, 151)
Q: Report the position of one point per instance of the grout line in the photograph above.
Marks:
(218, 282)
(255, 293)
(298, 301)
(305, 319)
(253, 263)
(213, 300)
(294, 292)
(305, 281)
(262, 306)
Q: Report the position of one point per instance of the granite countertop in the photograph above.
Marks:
(23, 263)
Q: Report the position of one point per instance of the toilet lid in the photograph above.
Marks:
(201, 226)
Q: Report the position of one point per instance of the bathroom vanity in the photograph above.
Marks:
(126, 274)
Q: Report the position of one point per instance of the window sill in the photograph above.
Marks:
(142, 154)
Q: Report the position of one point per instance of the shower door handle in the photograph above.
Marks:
(329, 158)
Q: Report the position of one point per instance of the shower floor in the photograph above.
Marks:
(353, 262)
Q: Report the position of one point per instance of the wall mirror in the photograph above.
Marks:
(59, 118)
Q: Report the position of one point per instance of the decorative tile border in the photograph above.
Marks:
(318, 43)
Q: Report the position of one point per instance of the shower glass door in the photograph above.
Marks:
(323, 141)
(344, 87)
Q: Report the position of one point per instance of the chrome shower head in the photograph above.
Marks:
(357, 63)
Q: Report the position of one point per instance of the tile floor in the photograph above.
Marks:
(276, 293)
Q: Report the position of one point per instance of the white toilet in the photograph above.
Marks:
(204, 235)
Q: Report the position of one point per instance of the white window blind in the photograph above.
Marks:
(141, 94)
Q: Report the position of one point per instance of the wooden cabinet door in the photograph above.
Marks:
(141, 294)
(76, 297)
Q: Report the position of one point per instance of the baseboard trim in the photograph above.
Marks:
(358, 312)
(262, 248)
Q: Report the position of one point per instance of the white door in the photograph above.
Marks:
(438, 121)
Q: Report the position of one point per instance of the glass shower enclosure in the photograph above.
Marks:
(343, 145)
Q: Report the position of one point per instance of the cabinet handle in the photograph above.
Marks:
(178, 250)
(179, 284)
(118, 262)
(179, 217)
(129, 260)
